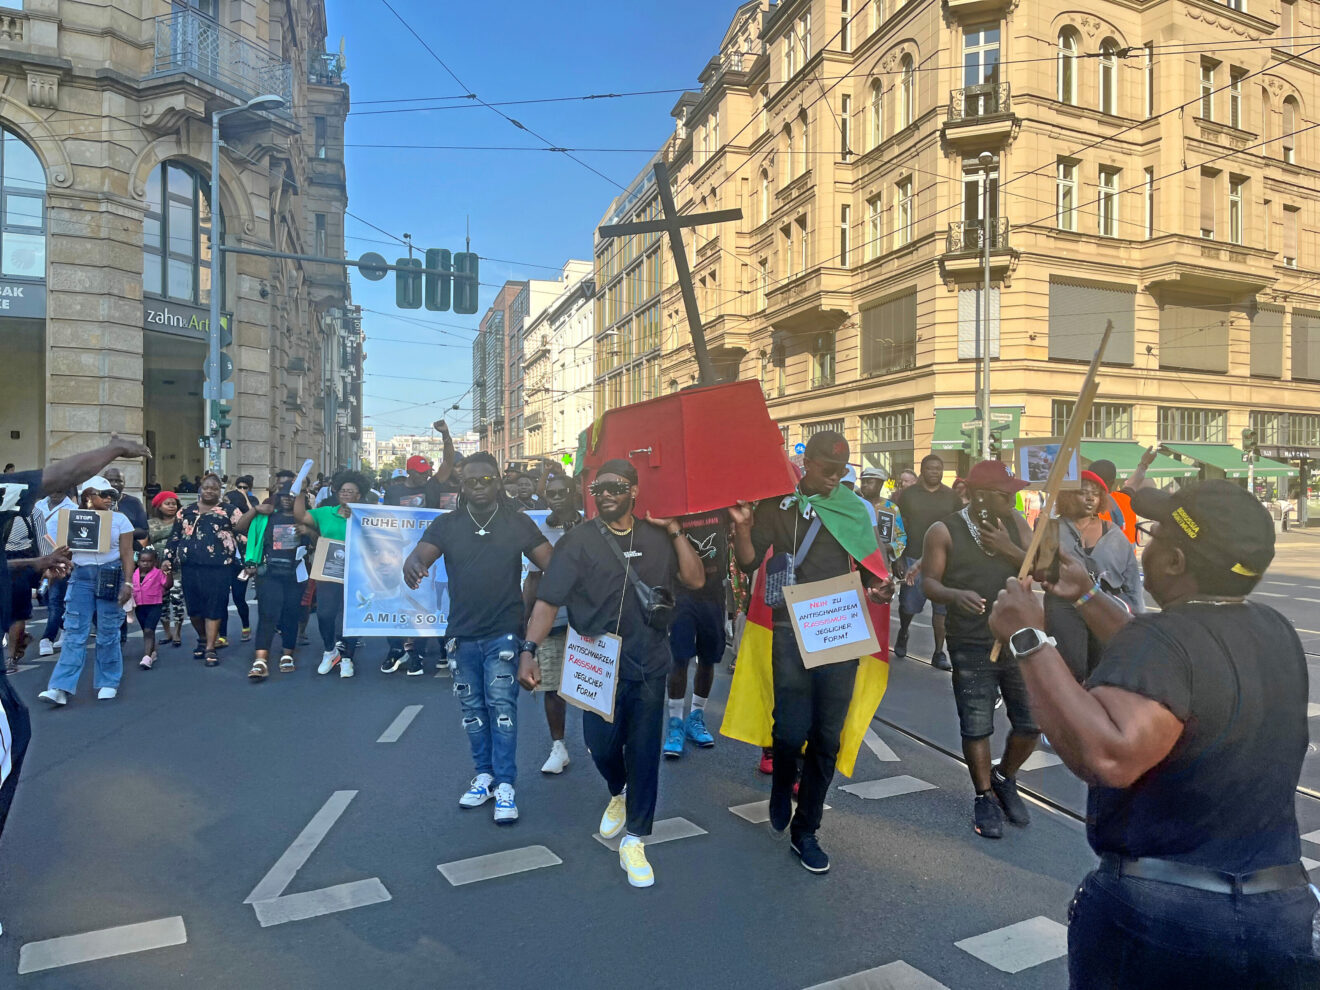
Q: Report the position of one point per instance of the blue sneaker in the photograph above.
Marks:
(697, 731)
(674, 738)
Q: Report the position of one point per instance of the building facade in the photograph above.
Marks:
(1150, 165)
(106, 240)
(557, 359)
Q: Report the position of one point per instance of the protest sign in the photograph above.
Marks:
(591, 672)
(84, 529)
(377, 602)
(329, 562)
(830, 620)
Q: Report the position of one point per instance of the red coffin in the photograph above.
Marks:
(700, 449)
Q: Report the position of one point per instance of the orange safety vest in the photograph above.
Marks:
(1129, 517)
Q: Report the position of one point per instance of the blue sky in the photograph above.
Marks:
(534, 208)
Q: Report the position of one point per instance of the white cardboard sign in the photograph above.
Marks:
(831, 620)
(591, 672)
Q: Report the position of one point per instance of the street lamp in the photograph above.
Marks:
(268, 101)
(987, 161)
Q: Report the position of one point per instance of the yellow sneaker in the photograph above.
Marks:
(632, 857)
(616, 812)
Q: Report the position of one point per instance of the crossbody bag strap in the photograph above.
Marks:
(807, 541)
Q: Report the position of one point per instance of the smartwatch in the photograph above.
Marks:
(1027, 641)
(529, 647)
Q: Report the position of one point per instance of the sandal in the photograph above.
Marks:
(11, 665)
(199, 652)
(176, 642)
(212, 658)
(286, 664)
(259, 671)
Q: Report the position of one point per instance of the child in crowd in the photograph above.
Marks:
(149, 586)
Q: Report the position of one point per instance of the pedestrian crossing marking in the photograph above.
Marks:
(758, 812)
(104, 944)
(892, 976)
(1312, 837)
(1021, 946)
(1312, 709)
(873, 790)
(878, 746)
(500, 864)
(1309, 864)
(1039, 760)
(665, 830)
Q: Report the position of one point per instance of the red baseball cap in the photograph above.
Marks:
(419, 464)
(993, 475)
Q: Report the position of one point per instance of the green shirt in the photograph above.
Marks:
(332, 525)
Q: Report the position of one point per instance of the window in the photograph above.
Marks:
(980, 70)
(809, 430)
(907, 91)
(320, 129)
(1208, 177)
(889, 335)
(1305, 346)
(786, 234)
(765, 109)
(1303, 430)
(877, 112)
(1287, 23)
(1235, 97)
(790, 52)
(1289, 135)
(822, 361)
(804, 129)
(845, 27)
(873, 227)
(971, 321)
(1265, 113)
(1148, 178)
(1077, 317)
(1267, 221)
(1182, 425)
(1290, 236)
(1194, 335)
(762, 282)
(1108, 76)
(1236, 4)
(804, 261)
(887, 441)
(1267, 342)
(23, 219)
(1108, 203)
(715, 140)
(903, 220)
(1271, 427)
(1208, 90)
(765, 196)
(804, 31)
(1236, 199)
(845, 234)
(1150, 79)
(176, 253)
(845, 122)
(320, 235)
(1066, 69)
(1066, 185)
(1106, 421)
(790, 159)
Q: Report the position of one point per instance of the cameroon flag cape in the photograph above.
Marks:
(749, 714)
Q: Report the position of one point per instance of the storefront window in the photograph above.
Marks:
(23, 230)
(176, 236)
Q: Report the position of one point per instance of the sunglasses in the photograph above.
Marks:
(480, 482)
(610, 488)
(111, 494)
(245, 488)
(1149, 530)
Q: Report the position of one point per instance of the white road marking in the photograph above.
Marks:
(758, 812)
(1309, 632)
(873, 790)
(1312, 837)
(893, 976)
(273, 907)
(1017, 947)
(1275, 594)
(500, 864)
(400, 724)
(104, 944)
(1309, 864)
(666, 830)
(1040, 759)
(1313, 601)
(879, 748)
(1312, 710)
(1282, 584)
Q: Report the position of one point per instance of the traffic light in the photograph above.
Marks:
(465, 289)
(408, 284)
(225, 370)
(438, 287)
(1249, 441)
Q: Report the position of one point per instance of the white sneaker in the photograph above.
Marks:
(328, 660)
(146, 662)
(632, 857)
(54, 696)
(506, 812)
(558, 758)
(616, 813)
(59, 640)
(478, 793)
(107, 694)
(345, 667)
(45, 648)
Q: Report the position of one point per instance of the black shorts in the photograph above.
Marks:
(206, 590)
(147, 616)
(21, 584)
(976, 684)
(697, 630)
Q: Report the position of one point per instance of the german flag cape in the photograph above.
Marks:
(749, 713)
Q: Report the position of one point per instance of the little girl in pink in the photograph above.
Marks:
(149, 586)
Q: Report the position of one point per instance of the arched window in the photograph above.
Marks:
(1265, 112)
(765, 196)
(877, 113)
(176, 236)
(789, 162)
(804, 126)
(907, 92)
(23, 230)
(1067, 66)
(1289, 136)
(1108, 76)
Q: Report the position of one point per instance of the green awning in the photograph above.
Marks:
(1228, 459)
(1125, 455)
(949, 425)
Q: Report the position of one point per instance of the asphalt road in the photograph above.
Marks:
(149, 824)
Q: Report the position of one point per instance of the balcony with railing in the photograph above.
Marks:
(980, 115)
(325, 68)
(964, 245)
(189, 43)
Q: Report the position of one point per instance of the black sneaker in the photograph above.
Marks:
(391, 662)
(413, 660)
(989, 820)
(1005, 788)
(808, 850)
(940, 661)
(781, 809)
(900, 644)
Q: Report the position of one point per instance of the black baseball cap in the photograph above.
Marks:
(829, 446)
(1224, 525)
(621, 467)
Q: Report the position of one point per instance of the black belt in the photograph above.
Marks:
(1204, 878)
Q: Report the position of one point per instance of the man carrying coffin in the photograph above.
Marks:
(594, 572)
(825, 528)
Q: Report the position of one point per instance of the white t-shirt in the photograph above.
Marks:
(119, 525)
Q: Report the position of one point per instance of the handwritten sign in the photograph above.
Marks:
(591, 672)
(330, 561)
(84, 529)
(830, 620)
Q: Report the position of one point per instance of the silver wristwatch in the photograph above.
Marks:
(1027, 641)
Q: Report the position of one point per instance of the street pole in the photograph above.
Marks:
(987, 161)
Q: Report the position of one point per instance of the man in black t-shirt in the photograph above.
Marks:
(483, 544)
(1191, 733)
(921, 505)
(588, 576)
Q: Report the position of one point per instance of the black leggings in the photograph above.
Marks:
(279, 600)
(238, 590)
(330, 615)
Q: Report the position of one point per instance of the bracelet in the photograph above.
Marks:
(1095, 590)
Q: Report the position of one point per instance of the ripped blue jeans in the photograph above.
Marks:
(486, 684)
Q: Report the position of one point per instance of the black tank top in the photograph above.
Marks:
(970, 567)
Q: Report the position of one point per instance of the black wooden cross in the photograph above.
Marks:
(673, 222)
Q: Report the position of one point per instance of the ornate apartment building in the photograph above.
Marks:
(106, 266)
(557, 366)
(1150, 164)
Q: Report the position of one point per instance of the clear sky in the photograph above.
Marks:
(536, 209)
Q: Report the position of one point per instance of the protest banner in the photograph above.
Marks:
(591, 672)
(84, 529)
(329, 562)
(377, 602)
(831, 620)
